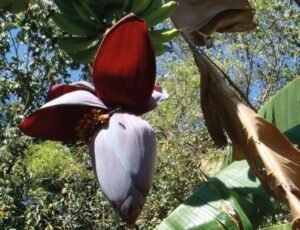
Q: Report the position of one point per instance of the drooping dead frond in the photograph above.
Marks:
(208, 16)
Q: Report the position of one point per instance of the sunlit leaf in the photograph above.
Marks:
(279, 227)
(283, 110)
(233, 199)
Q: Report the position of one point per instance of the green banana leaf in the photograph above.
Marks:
(233, 199)
(287, 226)
(283, 110)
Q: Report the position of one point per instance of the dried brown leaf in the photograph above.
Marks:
(275, 160)
(212, 120)
(208, 16)
(212, 164)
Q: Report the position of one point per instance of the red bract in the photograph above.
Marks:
(57, 119)
(59, 89)
(124, 68)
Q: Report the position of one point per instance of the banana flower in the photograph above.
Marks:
(105, 113)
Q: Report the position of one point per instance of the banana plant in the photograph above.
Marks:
(87, 21)
(105, 116)
(271, 156)
(206, 211)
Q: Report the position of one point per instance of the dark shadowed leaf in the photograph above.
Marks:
(233, 199)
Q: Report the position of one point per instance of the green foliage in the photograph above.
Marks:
(36, 195)
(30, 61)
(53, 163)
